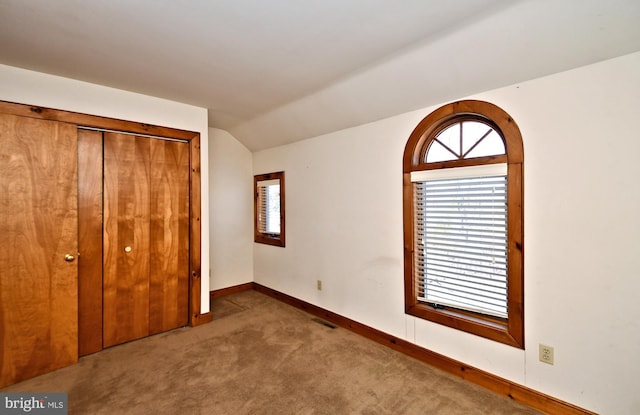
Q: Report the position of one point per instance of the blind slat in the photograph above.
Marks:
(491, 268)
(449, 280)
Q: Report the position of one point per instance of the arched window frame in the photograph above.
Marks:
(510, 330)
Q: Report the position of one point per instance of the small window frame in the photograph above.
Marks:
(511, 330)
(262, 237)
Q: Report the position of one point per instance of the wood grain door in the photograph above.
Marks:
(125, 238)
(90, 180)
(145, 237)
(169, 236)
(38, 228)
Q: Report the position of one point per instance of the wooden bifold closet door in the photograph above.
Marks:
(144, 238)
(38, 247)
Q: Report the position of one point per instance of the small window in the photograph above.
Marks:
(463, 222)
(269, 208)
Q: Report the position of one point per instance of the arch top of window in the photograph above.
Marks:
(464, 138)
(464, 133)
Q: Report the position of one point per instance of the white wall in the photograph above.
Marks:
(34, 88)
(582, 244)
(231, 210)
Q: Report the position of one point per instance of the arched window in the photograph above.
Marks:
(463, 221)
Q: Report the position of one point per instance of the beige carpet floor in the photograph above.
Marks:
(260, 356)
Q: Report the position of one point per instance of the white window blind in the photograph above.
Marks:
(269, 207)
(460, 238)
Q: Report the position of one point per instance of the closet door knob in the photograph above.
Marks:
(127, 249)
(69, 258)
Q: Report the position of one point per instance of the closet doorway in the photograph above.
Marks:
(99, 235)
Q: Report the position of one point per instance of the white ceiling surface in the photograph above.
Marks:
(274, 72)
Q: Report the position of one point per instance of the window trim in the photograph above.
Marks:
(511, 331)
(266, 238)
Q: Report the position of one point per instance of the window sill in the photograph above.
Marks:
(490, 328)
(269, 240)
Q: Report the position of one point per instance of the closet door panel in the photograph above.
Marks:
(90, 242)
(126, 238)
(169, 235)
(38, 228)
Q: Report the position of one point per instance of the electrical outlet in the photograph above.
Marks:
(319, 285)
(546, 354)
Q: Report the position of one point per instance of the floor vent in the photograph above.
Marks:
(324, 323)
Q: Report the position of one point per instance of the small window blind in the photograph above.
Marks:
(460, 238)
(269, 207)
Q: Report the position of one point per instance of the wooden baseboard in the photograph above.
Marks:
(201, 319)
(519, 393)
(231, 290)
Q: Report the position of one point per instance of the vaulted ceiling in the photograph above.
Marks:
(275, 71)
